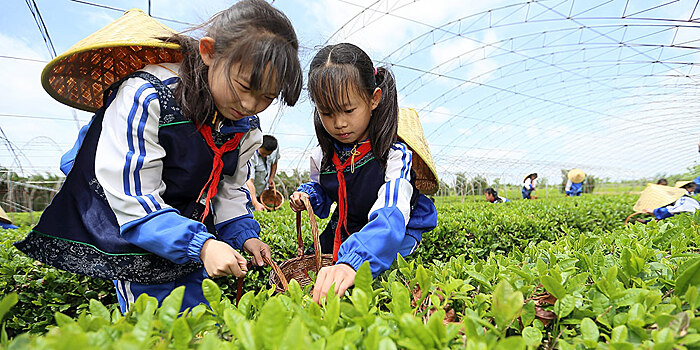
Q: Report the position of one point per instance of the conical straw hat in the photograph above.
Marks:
(576, 175)
(411, 132)
(656, 196)
(682, 183)
(4, 217)
(80, 75)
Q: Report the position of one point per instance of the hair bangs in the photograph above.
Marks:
(273, 63)
(330, 87)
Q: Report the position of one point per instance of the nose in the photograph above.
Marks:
(248, 104)
(339, 122)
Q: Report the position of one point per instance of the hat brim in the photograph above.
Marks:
(411, 133)
(656, 196)
(79, 76)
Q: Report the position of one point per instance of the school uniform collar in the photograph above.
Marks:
(243, 125)
(344, 147)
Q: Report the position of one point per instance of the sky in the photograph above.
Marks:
(503, 88)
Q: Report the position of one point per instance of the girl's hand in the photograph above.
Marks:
(258, 206)
(341, 274)
(295, 201)
(220, 259)
(257, 249)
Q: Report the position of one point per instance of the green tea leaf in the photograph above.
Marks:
(553, 286)
(99, 310)
(618, 334)
(563, 307)
(363, 278)
(689, 277)
(181, 334)
(212, 293)
(532, 336)
(7, 303)
(170, 307)
(589, 330)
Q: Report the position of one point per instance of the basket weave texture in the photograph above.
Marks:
(79, 76)
(298, 268)
(411, 133)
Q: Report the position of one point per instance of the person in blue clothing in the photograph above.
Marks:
(165, 203)
(696, 181)
(493, 197)
(5, 222)
(529, 186)
(685, 204)
(574, 183)
(360, 165)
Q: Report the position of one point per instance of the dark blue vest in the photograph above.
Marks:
(362, 187)
(78, 232)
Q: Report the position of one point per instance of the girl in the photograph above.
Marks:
(165, 203)
(361, 166)
(685, 204)
(492, 196)
(529, 186)
(574, 183)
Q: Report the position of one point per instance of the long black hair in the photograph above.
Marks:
(252, 33)
(338, 70)
(531, 176)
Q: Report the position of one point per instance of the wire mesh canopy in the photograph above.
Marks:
(607, 86)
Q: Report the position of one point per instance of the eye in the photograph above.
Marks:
(270, 97)
(243, 86)
(348, 111)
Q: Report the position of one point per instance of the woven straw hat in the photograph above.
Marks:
(576, 175)
(656, 196)
(80, 75)
(4, 217)
(411, 132)
(682, 183)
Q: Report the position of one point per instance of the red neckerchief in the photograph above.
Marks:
(358, 152)
(217, 165)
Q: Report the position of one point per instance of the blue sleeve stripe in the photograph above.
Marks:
(410, 162)
(154, 201)
(170, 81)
(387, 194)
(142, 143)
(247, 195)
(130, 142)
(396, 193)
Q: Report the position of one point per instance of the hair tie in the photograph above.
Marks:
(375, 71)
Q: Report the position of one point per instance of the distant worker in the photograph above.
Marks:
(574, 183)
(529, 186)
(696, 181)
(684, 204)
(493, 197)
(662, 181)
(264, 169)
(5, 222)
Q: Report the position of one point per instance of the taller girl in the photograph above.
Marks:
(156, 197)
(361, 166)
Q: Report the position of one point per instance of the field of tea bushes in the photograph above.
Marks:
(559, 273)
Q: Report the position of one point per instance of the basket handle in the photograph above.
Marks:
(275, 268)
(314, 232)
(631, 216)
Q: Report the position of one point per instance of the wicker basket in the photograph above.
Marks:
(271, 199)
(298, 268)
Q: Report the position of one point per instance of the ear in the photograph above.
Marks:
(206, 50)
(376, 97)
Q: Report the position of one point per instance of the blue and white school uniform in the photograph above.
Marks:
(386, 214)
(500, 199)
(573, 189)
(138, 202)
(7, 226)
(528, 187)
(685, 204)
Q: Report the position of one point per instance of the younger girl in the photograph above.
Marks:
(165, 202)
(361, 166)
(529, 186)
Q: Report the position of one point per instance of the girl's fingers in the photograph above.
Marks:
(342, 286)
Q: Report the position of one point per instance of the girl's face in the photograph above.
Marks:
(351, 124)
(238, 101)
(489, 197)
